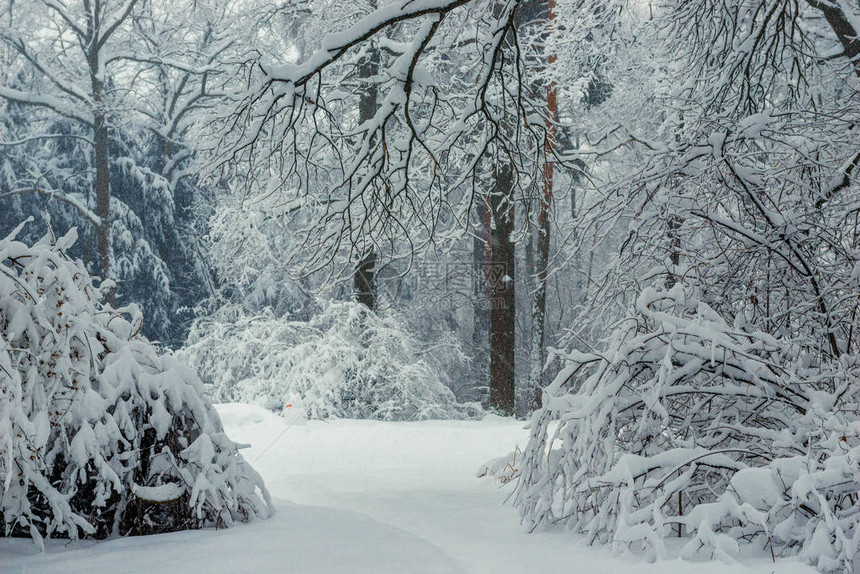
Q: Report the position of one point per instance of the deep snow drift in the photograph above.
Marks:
(367, 497)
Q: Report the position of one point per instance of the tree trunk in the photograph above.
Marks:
(536, 354)
(842, 27)
(481, 307)
(673, 227)
(100, 135)
(500, 277)
(542, 241)
(102, 168)
(364, 279)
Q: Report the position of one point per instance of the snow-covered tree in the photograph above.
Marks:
(103, 98)
(724, 409)
(454, 127)
(689, 426)
(102, 434)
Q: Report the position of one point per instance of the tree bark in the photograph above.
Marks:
(364, 279)
(481, 307)
(100, 136)
(673, 227)
(542, 241)
(500, 277)
(841, 25)
(102, 166)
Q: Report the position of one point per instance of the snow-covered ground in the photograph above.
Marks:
(366, 497)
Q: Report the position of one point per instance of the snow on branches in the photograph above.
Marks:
(450, 100)
(688, 426)
(345, 362)
(100, 434)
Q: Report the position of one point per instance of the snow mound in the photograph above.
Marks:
(100, 433)
(240, 415)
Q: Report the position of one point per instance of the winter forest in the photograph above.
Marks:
(452, 286)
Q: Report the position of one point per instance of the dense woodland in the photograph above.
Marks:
(633, 223)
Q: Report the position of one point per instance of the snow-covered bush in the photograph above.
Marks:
(344, 362)
(688, 426)
(100, 434)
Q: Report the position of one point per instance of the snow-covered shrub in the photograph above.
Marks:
(689, 426)
(344, 362)
(100, 434)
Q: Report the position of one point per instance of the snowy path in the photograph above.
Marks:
(369, 498)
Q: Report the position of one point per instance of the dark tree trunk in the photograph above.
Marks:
(536, 353)
(102, 168)
(364, 280)
(842, 27)
(100, 135)
(481, 307)
(673, 227)
(500, 276)
(542, 241)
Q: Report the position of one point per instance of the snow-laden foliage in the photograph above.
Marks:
(690, 426)
(447, 105)
(100, 434)
(344, 362)
(247, 247)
